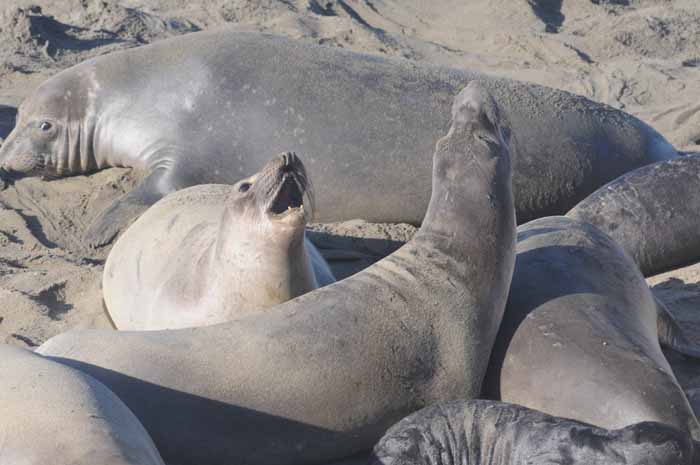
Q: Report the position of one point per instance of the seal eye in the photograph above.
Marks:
(244, 187)
(45, 126)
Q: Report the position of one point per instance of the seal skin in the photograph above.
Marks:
(579, 337)
(480, 432)
(50, 413)
(652, 213)
(322, 376)
(206, 107)
(213, 253)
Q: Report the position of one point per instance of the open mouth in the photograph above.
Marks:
(289, 197)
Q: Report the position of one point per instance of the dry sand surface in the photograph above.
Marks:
(642, 56)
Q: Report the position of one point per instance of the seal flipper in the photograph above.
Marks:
(107, 225)
(671, 334)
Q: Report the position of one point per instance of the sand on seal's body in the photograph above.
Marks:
(322, 376)
(213, 253)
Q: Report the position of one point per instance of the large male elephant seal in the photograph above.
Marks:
(213, 253)
(322, 376)
(208, 107)
(579, 337)
(52, 414)
(480, 432)
(652, 213)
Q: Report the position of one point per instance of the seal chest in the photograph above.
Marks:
(213, 253)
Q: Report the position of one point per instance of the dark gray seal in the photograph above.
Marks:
(208, 107)
(480, 432)
(579, 337)
(322, 376)
(652, 213)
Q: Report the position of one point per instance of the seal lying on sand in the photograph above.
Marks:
(207, 107)
(212, 253)
(579, 337)
(480, 432)
(52, 414)
(322, 376)
(652, 213)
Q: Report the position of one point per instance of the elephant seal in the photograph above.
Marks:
(481, 432)
(579, 337)
(50, 413)
(652, 213)
(213, 253)
(322, 376)
(205, 108)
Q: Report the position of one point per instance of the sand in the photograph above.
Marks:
(642, 56)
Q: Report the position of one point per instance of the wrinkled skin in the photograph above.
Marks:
(209, 107)
(481, 432)
(652, 213)
(213, 253)
(322, 376)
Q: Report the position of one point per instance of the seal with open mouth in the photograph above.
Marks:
(322, 376)
(213, 253)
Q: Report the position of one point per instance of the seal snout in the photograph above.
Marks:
(287, 184)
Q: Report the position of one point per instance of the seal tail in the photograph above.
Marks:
(671, 334)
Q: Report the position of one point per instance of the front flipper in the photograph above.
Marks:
(107, 225)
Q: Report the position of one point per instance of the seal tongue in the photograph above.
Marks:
(288, 196)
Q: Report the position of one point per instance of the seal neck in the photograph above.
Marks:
(474, 207)
(77, 153)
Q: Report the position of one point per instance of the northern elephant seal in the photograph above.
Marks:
(213, 253)
(480, 432)
(52, 414)
(208, 107)
(322, 376)
(652, 213)
(579, 336)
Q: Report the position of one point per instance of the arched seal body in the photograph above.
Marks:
(480, 432)
(652, 213)
(52, 414)
(579, 337)
(207, 107)
(213, 253)
(322, 376)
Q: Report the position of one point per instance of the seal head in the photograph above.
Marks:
(212, 253)
(274, 197)
(53, 136)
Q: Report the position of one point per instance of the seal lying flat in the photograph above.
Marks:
(52, 414)
(652, 213)
(322, 376)
(213, 253)
(480, 432)
(206, 107)
(579, 337)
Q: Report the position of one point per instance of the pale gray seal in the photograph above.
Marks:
(652, 213)
(322, 376)
(480, 432)
(579, 337)
(213, 253)
(208, 107)
(52, 414)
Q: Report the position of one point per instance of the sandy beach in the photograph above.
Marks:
(642, 56)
